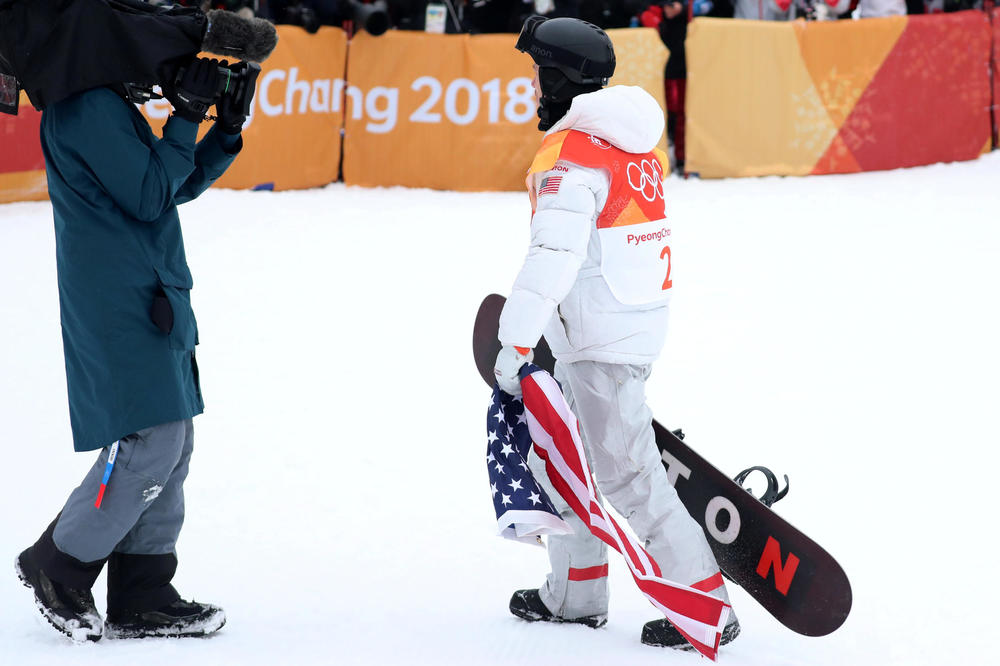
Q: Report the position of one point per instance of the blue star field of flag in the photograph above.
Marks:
(507, 445)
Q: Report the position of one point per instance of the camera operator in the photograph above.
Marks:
(129, 337)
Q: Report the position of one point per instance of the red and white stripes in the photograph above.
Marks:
(699, 616)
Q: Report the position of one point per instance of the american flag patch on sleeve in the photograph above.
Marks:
(550, 185)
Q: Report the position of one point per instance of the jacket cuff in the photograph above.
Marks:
(231, 144)
(180, 129)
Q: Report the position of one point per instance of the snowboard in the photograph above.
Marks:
(784, 570)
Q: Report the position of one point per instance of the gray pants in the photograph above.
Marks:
(143, 506)
(609, 401)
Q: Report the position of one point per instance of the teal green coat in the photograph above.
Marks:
(115, 187)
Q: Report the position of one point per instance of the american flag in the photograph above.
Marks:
(524, 511)
(550, 185)
(553, 430)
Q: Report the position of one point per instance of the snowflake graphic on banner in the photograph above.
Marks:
(524, 512)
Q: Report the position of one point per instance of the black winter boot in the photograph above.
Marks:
(528, 605)
(67, 605)
(142, 603)
(178, 619)
(660, 633)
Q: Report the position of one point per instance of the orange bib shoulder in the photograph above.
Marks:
(635, 195)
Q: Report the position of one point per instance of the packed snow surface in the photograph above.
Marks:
(842, 330)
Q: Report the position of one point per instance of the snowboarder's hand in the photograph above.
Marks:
(509, 362)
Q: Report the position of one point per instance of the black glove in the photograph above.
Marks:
(196, 90)
(230, 110)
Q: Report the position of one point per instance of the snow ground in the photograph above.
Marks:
(842, 330)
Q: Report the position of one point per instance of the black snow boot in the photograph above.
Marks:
(68, 605)
(660, 633)
(178, 619)
(528, 605)
(142, 603)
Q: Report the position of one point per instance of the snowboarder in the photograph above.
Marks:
(597, 282)
(129, 336)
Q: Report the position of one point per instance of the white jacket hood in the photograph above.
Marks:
(626, 116)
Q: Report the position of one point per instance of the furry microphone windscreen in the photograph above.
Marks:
(230, 35)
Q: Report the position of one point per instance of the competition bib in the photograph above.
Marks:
(635, 234)
(636, 262)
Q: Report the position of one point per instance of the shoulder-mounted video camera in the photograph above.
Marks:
(52, 49)
(236, 81)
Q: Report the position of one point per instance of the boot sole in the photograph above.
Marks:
(206, 628)
(729, 634)
(71, 629)
(593, 621)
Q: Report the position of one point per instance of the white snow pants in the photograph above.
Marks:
(609, 402)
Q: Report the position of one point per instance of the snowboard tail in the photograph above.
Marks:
(785, 571)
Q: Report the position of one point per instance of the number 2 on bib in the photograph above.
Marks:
(632, 262)
(667, 283)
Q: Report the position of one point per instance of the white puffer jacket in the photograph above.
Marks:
(560, 289)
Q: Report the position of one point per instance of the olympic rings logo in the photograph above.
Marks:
(649, 175)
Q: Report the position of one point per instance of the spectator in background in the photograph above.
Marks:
(939, 6)
(564, 8)
(787, 10)
(876, 8)
(763, 10)
(610, 13)
(309, 14)
(820, 10)
(714, 9)
(491, 16)
(245, 8)
(671, 18)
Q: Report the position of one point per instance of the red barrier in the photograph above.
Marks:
(995, 16)
(925, 103)
(22, 165)
(19, 138)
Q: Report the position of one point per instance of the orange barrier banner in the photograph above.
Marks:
(22, 165)
(450, 112)
(291, 140)
(457, 112)
(836, 97)
(292, 137)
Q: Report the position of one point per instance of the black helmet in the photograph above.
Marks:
(580, 50)
(573, 57)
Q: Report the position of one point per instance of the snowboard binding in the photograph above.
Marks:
(769, 496)
(772, 494)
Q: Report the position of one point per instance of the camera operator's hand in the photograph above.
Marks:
(229, 110)
(196, 90)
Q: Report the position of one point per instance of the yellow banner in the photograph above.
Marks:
(751, 106)
(23, 186)
(292, 137)
(457, 112)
